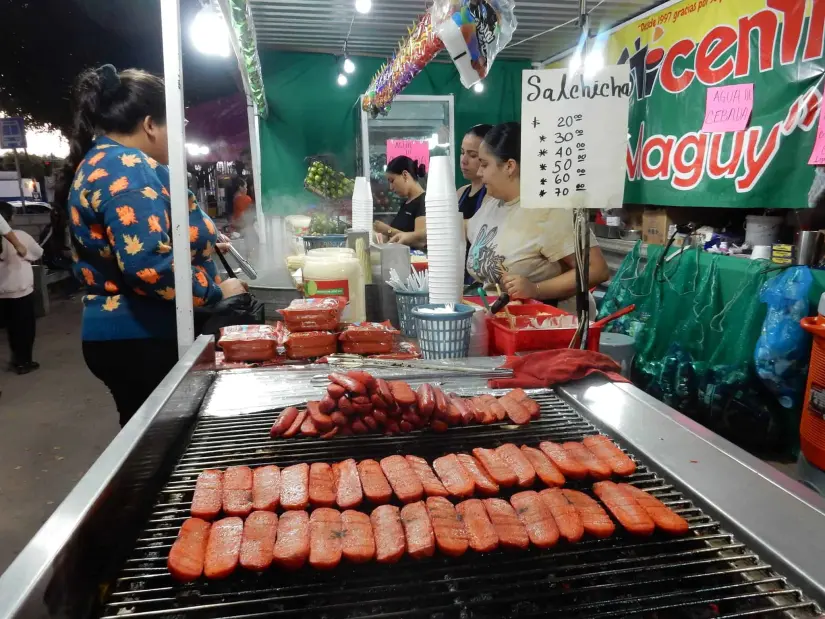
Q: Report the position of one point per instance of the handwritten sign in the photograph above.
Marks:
(414, 149)
(574, 138)
(818, 153)
(728, 108)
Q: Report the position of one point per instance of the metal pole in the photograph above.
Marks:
(255, 151)
(19, 181)
(179, 189)
(583, 240)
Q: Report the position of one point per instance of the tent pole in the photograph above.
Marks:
(255, 152)
(179, 189)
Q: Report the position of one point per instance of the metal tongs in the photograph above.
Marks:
(344, 360)
(247, 268)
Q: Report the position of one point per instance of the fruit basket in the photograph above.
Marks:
(326, 182)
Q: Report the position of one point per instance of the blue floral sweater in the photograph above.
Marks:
(119, 215)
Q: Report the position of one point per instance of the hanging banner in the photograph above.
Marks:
(574, 137)
(675, 53)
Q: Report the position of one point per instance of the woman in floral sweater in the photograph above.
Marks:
(116, 191)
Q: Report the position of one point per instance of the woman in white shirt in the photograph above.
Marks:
(17, 294)
(7, 233)
(529, 252)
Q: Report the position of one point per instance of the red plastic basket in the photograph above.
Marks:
(507, 341)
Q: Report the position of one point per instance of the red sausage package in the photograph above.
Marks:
(368, 338)
(316, 314)
(311, 344)
(248, 343)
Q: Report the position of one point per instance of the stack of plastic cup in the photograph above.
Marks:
(362, 204)
(445, 233)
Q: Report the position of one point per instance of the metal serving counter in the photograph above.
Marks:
(73, 563)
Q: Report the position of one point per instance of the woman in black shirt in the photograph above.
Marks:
(471, 196)
(409, 226)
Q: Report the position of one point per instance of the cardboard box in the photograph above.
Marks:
(655, 224)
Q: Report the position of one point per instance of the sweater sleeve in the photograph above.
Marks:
(137, 226)
(5, 228)
(33, 250)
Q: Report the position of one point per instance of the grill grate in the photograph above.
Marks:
(708, 574)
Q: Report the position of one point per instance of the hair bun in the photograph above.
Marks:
(109, 79)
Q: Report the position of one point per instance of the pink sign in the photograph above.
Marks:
(414, 149)
(818, 153)
(728, 108)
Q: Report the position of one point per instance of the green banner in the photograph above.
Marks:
(675, 54)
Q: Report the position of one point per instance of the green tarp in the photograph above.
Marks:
(310, 114)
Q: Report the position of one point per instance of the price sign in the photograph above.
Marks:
(818, 153)
(574, 138)
(728, 108)
(414, 149)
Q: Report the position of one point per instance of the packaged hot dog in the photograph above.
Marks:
(311, 344)
(248, 343)
(316, 314)
(368, 338)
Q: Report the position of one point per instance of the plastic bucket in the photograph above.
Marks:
(762, 229)
(443, 336)
(619, 347)
(406, 301)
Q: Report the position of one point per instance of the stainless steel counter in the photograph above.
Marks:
(63, 570)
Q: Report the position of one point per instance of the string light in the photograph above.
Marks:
(363, 6)
(349, 66)
(209, 34)
(478, 87)
(342, 79)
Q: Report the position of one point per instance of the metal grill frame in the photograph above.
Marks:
(451, 587)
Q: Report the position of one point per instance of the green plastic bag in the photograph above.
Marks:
(694, 344)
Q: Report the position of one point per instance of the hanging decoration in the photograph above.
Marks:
(472, 31)
(240, 17)
(414, 52)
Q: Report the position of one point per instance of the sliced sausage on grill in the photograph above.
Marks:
(495, 406)
(546, 471)
(376, 487)
(511, 533)
(224, 548)
(537, 518)
(625, 508)
(292, 545)
(325, 549)
(432, 485)
(517, 413)
(595, 520)
(595, 467)
(482, 480)
(208, 498)
(518, 463)
(567, 464)
(564, 513)
(664, 517)
(450, 534)
(481, 534)
(405, 483)
(348, 491)
(266, 488)
(237, 491)
(258, 543)
(496, 468)
(188, 553)
(418, 530)
(390, 541)
(609, 453)
(296, 425)
(455, 477)
(321, 485)
(295, 486)
(357, 542)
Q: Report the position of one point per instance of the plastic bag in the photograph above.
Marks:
(368, 338)
(310, 344)
(782, 351)
(248, 343)
(317, 314)
(474, 32)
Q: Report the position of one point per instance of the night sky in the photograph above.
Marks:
(45, 43)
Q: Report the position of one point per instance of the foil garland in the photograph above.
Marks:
(414, 52)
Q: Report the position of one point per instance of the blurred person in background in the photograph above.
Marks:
(7, 233)
(471, 196)
(409, 226)
(17, 295)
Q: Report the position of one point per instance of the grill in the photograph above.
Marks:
(708, 574)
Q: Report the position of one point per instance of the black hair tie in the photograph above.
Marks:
(109, 79)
